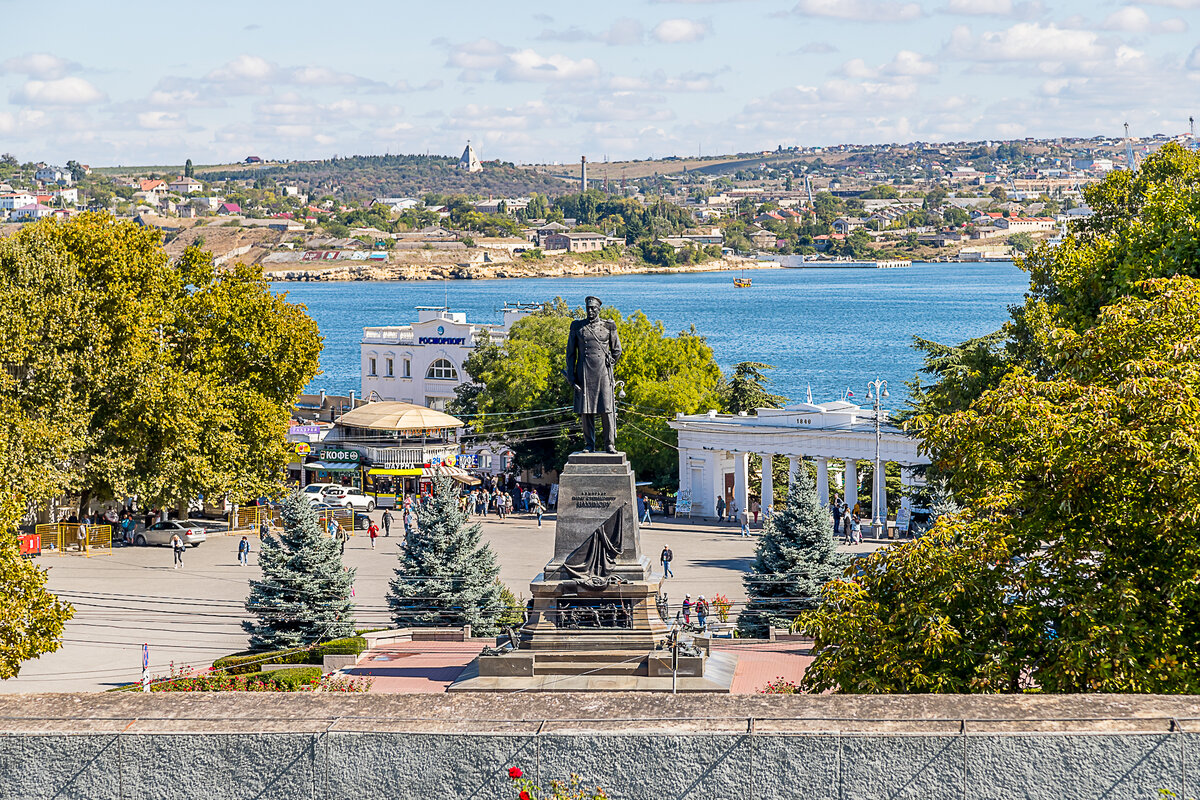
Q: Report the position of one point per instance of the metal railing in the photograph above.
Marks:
(66, 538)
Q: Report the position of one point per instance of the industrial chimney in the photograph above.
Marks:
(583, 173)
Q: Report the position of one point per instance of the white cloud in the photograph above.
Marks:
(1134, 19)
(42, 66)
(1028, 41)
(678, 31)
(529, 65)
(1193, 61)
(909, 64)
(904, 66)
(979, 7)
(1130, 19)
(860, 10)
(244, 68)
(71, 91)
(624, 31)
(994, 8)
(1173, 3)
(160, 120)
(481, 54)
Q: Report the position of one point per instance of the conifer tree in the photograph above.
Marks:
(446, 576)
(304, 594)
(795, 557)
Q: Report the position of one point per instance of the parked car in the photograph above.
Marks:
(316, 489)
(161, 532)
(348, 497)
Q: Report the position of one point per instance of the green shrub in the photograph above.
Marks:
(249, 661)
(292, 680)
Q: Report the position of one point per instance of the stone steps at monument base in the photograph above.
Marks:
(592, 663)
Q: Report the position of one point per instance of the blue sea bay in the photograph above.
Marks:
(831, 329)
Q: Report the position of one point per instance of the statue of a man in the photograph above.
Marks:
(593, 347)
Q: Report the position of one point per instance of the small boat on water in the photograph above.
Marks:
(741, 283)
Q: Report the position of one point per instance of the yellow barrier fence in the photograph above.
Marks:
(249, 520)
(72, 538)
(49, 538)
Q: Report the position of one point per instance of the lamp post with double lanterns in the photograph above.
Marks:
(876, 391)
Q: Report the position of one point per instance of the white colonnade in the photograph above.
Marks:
(714, 451)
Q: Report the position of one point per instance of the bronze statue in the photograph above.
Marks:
(593, 347)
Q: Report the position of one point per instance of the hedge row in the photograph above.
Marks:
(243, 663)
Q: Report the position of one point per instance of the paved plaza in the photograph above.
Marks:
(192, 616)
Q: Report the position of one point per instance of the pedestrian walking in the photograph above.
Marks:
(755, 508)
(538, 508)
(769, 513)
(244, 552)
(687, 609)
(177, 547)
(702, 612)
(733, 511)
(745, 520)
(837, 515)
(665, 559)
(855, 530)
(373, 532)
(342, 536)
(387, 522)
(645, 504)
(720, 509)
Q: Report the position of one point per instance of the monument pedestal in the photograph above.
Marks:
(594, 622)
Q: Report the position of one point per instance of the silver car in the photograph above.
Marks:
(161, 532)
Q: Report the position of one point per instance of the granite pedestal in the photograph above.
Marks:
(593, 623)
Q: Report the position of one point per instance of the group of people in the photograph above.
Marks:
(482, 501)
(847, 522)
(730, 512)
(700, 607)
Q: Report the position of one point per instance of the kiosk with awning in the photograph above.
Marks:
(406, 446)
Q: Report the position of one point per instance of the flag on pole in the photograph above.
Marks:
(809, 398)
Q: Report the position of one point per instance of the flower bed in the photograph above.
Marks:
(298, 679)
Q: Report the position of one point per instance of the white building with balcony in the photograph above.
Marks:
(422, 363)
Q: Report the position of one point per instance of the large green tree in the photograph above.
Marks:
(521, 394)
(747, 390)
(1073, 444)
(165, 380)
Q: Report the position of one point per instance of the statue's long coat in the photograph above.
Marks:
(592, 349)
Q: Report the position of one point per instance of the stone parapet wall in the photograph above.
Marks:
(637, 746)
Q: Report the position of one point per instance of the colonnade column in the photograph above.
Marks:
(741, 479)
(823, 481)
(851, 483)
(768, 482)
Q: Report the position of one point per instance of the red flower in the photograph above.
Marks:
(524, 795)
(514, 773)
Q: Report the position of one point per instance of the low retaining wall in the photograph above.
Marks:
(107, 746)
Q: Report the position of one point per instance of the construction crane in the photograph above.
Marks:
(1130, 159)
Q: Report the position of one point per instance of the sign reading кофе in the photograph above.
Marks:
(340, 456)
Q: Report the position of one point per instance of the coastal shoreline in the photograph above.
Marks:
(365, 271)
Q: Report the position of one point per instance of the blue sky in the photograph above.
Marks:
(118, 83)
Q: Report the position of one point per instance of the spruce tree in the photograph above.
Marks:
(304, 594)
(446, 576)
(795, 557)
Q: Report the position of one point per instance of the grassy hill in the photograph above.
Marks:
(362, 177)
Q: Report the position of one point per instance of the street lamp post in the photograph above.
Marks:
(877, 390)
